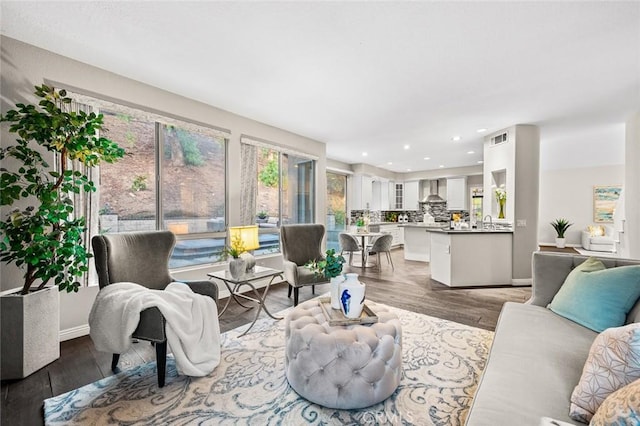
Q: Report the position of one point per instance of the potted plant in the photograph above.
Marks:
(237, 265)
(40, 234)
(560, 225)
(331, 268)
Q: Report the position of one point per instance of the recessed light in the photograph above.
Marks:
(427, 158)
(456, 138)
(441, 166)
(481, 130)
(408, 170)
(389, 163)
(480, 161)
(364, 154)
(407, 147)
(471, 152)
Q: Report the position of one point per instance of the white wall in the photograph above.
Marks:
(632, 187)
(571, 165)
(568, 193)
(24, 66)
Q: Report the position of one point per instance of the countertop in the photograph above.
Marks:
(445, 230)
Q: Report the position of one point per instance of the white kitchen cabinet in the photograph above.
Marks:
(457, 193)
(471, 259)
(411, 192)
(396, 231)
(417, 243)
(361, 192)
(380, 194)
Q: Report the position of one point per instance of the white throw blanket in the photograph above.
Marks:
(193, 331)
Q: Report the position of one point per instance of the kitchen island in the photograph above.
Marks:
(461, 258)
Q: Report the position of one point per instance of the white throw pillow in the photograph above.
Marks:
(613, 362)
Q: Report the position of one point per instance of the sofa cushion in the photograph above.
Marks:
(613, 362)
(620, 408)
(596, 297)
(535, 362)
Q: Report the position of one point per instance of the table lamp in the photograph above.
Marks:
(249, 237)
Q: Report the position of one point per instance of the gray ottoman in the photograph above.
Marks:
(342, 367)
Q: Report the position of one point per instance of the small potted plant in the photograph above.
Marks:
(237, 265)
(560, 225)
(331, 268)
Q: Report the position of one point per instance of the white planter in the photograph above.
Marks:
(30, 332)
(237, 267)
(560, 242)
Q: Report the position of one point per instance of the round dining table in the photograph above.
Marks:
(365, 236)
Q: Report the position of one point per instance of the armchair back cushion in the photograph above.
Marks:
(302, 242)
(139, 257)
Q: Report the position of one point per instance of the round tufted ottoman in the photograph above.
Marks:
(344, 367)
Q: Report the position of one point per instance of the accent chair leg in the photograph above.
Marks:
(390, 260)
(295, 296)
(114, 362)
(161, 361)
(313, 289)
(289, 290)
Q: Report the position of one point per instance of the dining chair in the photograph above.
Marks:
(348, 244)
(382, 244)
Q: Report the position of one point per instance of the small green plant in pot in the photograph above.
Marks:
(43, 236)
(330, 268)
(560, 225)
(237, 265)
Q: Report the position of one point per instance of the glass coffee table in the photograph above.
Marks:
(234, 285)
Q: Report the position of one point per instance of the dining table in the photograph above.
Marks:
(364, 237)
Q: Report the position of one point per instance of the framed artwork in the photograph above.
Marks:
(604, 202)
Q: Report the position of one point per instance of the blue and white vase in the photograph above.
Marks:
(335, 291)
(352, 296)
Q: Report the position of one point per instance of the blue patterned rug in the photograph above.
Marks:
(442, 362)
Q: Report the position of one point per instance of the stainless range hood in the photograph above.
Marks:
(433, 196)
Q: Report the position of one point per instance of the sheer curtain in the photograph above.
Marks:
(85, 203)
(249, 183)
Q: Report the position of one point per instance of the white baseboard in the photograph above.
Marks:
(72, 333)
(516, 282)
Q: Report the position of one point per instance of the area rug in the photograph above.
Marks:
(442, 362)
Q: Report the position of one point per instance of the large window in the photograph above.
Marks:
(188, 198)
(277, 188)
(336, 208)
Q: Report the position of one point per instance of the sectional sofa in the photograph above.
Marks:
(537, 356)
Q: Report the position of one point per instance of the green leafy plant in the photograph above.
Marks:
(139, 183)
(269, 174)
(262, 214)
(330, 266)
(561, 225)
(43, 237)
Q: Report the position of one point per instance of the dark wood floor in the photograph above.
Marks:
(407, 287)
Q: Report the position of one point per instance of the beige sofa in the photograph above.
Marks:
(537, 356)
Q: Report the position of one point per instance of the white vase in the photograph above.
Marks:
(352, 296)
(335, 291)
(560, 242)
(237, 267)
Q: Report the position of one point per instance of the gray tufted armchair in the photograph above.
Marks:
(301, 243)
(143, 258)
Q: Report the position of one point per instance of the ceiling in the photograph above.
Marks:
(368, 76)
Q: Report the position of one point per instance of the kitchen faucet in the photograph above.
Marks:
(490, 221)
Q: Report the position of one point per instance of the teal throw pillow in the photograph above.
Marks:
(596, 297)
